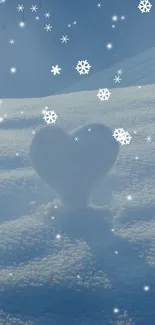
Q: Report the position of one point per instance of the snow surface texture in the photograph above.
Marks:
(33, 261)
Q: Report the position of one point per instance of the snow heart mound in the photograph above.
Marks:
(73, 163)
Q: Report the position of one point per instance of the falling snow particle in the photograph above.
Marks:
(55, 70)
(50, 117)
(129, 197)
(103, 94)
(146, 288)
(117, 79)
(116, 310)
(122, 136)
(83, 67)
(34, 8)
(12, 41)
(109, 46)
(114, 18)
(13, 70)
(122, 17)
(48, 28)
(64, 39)
(58, 236)
(21, 24)
(145, 6)
(20, 8)
(47, 15)
(119, 72)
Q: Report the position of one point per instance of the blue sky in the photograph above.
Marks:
(35, 50)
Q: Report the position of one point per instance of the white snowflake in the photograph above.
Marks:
(83, 67)
(122, 17)
(20, 7)
(117, 79)
(103, 94)
(34, 8)
(64, 39)
(1, 101)
(47, 15)
(48, 27)
(50, 117)
(121, 136)
(55, 70)
(119, 71)
(144, 6)
(12, 41)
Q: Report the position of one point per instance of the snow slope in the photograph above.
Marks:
(137, 70)
(31, 260)
(131, 108)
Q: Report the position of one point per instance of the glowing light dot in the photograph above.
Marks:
(21, 24)
(116, 310)
(114, 18)
(146, 288)
(109, 46)
(13, 70)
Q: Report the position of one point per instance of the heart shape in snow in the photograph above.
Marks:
(73, 163)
